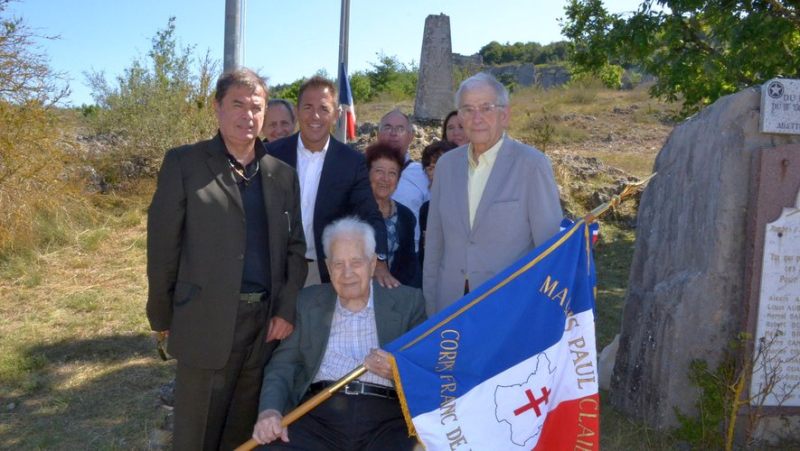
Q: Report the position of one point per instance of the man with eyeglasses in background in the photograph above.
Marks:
(412, 190)
(492, 201)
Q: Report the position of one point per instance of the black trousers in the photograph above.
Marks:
(349, 423)
(217, 409)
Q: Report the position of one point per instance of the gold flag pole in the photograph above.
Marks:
(320, 397)
(302, 409)
(616, 199)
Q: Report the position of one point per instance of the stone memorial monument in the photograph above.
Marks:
(687, 293)
(435, 85)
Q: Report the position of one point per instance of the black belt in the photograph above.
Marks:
(356, 388)
(253, 298)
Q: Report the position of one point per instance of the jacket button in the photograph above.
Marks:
(240, 256)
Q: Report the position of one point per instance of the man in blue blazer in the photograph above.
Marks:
(333, 178)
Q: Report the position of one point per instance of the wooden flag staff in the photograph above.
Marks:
(617, 199)
(320, 397)
(316, 400)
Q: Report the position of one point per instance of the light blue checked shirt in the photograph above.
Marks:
(352, 336)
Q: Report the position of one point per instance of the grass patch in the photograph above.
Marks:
(612, 256)
(77, 364)
(618, 432)
(89, 240)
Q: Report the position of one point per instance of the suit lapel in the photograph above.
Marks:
(500, 170)
(272, 203)
(326, 178)
(321, 314)
(218, 164)
(285, 149)
(387, 320)
(462, 180)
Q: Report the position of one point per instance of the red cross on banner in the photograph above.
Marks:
(533, 403)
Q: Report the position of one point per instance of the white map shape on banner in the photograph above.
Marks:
(524, 406)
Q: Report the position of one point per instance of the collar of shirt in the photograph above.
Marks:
(363, 311)
(305, 153)
(488, 157)
(258, 149)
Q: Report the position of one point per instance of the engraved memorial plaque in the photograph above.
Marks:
(776, 368)
(780, 106)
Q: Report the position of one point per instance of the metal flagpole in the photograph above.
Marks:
(243, 31)
(231, 52)
(344, 42)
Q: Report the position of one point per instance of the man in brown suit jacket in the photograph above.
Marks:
(225, 252)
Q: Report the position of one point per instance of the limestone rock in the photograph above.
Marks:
(686, 286)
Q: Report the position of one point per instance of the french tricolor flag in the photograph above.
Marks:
(512, 365)
(346, 101)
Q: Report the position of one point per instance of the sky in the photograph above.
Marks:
(283, 40)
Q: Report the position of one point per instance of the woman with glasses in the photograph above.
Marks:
(384, 164)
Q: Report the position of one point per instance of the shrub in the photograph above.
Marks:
(158, 103)
(37, 190)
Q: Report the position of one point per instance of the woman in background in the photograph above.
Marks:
(430, 155)
(453, 130)
(384, 165)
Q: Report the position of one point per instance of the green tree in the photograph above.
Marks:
(392, 78)
(360, 85)
(555, 52)
(491, 53)
(157, 103)
(287, 91)
(699, 50)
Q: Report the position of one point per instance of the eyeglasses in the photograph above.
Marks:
(400, 130)
(470, 111)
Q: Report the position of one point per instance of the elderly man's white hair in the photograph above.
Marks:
(479, 80)
(349, 226)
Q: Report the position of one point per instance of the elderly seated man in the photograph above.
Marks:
(339, 326)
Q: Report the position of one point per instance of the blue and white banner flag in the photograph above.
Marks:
(512, 365)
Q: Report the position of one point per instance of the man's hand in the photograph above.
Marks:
(279, 329)
(378, 362)
(268, 427)
(383, 277)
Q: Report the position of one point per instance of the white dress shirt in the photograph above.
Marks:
(412, 191)
(309, 169)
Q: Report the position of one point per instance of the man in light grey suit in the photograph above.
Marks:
(339, 326)
(492, 201)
